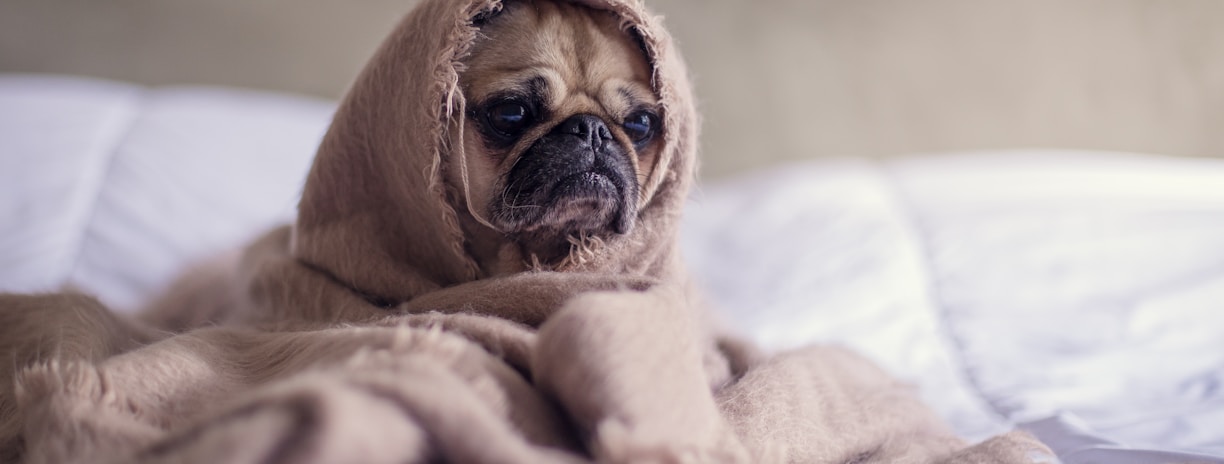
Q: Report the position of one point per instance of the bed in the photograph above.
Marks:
(1079, 295)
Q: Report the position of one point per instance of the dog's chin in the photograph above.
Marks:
(587, 203)
(583, 203)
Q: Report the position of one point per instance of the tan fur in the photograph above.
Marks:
(588, 62)
(369, 331)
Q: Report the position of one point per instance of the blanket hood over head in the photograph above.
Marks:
(378, 214)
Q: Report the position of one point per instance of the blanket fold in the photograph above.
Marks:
(367, 332)
(592, 384)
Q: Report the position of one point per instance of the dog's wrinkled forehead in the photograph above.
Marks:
(577, 59)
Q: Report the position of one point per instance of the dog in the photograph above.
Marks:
(564, 128)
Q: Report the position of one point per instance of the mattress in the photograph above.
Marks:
(1079, 295)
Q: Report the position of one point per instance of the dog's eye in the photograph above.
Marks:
(509, 118)
(640, 126)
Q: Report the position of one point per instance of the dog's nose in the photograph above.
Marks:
(588, 127)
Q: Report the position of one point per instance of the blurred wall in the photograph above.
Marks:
(306, 46)
(777, 79)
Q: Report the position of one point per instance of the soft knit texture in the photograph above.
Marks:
(366, 333)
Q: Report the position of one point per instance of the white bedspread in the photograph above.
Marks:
(1073, 290)
(1079, 293)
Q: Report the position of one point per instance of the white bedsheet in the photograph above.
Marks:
(1066, 289)
(114, 187)
(1079, 294)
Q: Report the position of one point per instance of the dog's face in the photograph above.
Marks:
(567, 126)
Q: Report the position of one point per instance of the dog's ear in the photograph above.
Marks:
(484, 16)
(636, 35)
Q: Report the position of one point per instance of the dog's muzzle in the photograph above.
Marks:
(576, 178)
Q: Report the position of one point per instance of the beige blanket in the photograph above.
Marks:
(367, 333)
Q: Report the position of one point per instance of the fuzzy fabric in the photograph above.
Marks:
(366, 333)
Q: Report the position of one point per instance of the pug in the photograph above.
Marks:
(562, 130)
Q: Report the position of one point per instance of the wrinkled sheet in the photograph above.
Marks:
(1079, 287)
(113, 187)
(1079, 293)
